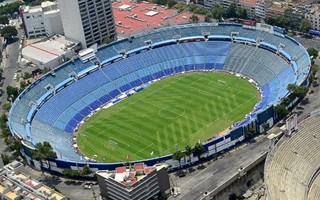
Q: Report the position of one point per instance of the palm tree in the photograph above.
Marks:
(198, 150)
(177, 156)
(188, 151)
(44, 152)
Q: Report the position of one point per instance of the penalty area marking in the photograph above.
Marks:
(181, 111)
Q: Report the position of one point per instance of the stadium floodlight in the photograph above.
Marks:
(206, 34)
(49, 87)
(73, 75)
(177, 37)
(148, 42)
(259, 40)
(281, 46)
(122, 52)
(32, 103)
(233, 35)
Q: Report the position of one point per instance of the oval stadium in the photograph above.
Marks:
(149, 94)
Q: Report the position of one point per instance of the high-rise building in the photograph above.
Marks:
(87, 21)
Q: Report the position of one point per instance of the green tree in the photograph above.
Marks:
(86, 170)
(177, 156)
(217, 12)
(12, 92)
(194, 19)
(242, 13)
(313, 52)
(6, 106)
(4, 19)
(198, 150)
(171, 3)
(305, 25)
(188, 151)
(9, 32)
(297, 91)
(280, 110)
(231, 11)
(208, 17)
(5, 159)
(43, 152)
(108, 40)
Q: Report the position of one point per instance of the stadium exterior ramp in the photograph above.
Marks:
(46, 111)
(292, 167)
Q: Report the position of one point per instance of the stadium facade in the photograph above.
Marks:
(52, 108)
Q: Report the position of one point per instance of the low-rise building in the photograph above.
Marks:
(274, 10)
(51, 52)
(15, 185)
(43, 20)
(133, 183)
(313, 15)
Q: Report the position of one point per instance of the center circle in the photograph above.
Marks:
(172, 112)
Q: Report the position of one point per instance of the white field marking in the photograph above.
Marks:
(145, 148)
(175, 113)
(166, 109)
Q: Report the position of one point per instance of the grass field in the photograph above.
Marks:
(173, 112)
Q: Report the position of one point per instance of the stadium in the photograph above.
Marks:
(59, 105)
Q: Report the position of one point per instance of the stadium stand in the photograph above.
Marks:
(59, 112)
(292, 167)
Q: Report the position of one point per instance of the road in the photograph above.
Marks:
(9, 66)
(196, 183)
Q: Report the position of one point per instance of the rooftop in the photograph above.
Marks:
(248, 2)
(131, 17)
(128, 176)
(49, 49)
(16, 185)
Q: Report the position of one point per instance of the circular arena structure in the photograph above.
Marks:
(292, 167)
(54, 106)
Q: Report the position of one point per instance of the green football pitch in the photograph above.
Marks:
(170, 114)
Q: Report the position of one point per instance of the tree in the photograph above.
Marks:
(305, 25)
(44, 152)
(242, 13)
(188, 151)
(217, 12)
(86, 170)
(4, 19)
(6, 107)
(5, 159)
(107, 40)
(9, 32)
(280, 110)
(171, 3)
(231, 11)
(198, 150)
(208, 17)
(177, 156)
(297, 91)
(194, 19)
(12, 92)
(313, 52)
